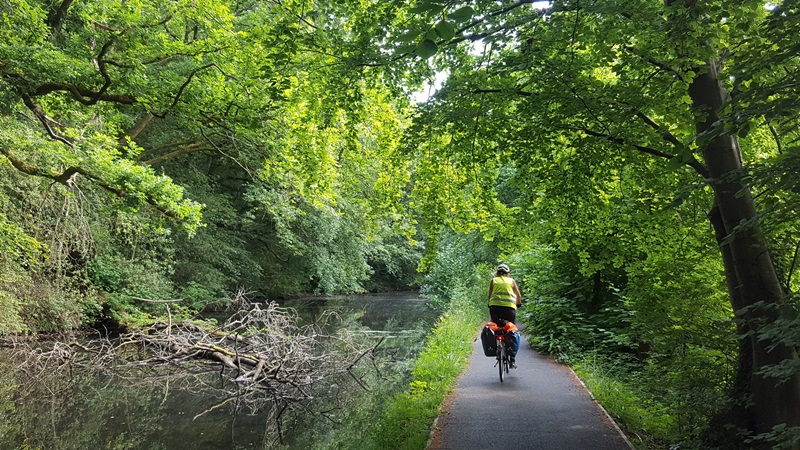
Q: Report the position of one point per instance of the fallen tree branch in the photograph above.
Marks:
(258, 361)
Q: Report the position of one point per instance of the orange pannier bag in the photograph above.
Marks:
(508, 327)
(490, 330)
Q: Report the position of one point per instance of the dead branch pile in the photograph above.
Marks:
(261, 344)
(265, 362)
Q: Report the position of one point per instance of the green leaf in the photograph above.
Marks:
(406, 48)
(744, 130)
(432, 34)
(462, 14)
(427, 48)
(426, 6)
(675, 163)
(686, 154)
(445, 30)
(409, 36)
(680, 198)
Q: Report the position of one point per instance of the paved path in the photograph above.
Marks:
(541, 405)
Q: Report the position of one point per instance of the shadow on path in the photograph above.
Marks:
(540, 405)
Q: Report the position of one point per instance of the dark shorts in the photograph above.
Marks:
(503, 312)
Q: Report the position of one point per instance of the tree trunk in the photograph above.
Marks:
(739, 413)
(749, 268)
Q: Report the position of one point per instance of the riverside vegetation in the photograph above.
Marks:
(635, 162)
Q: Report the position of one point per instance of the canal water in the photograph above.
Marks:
(63, 408)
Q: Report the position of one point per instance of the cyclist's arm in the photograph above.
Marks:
(517, 293)
(491, 288)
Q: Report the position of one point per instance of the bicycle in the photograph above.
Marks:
(503, 360)
(500, 342)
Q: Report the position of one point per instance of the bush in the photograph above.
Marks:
(10, 315)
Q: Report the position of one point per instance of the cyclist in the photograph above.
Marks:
(504, 298)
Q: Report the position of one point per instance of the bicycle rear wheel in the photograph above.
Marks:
(502, 360)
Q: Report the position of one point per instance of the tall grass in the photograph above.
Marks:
(647, 423)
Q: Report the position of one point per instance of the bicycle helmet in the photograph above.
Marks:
(503, 268)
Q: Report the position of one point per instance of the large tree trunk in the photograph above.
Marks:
(739, 413)
(749, 268)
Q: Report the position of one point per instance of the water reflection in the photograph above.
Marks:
(391, 311)
(136, 408)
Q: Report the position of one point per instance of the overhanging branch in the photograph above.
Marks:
(694, 164)
(66, 178)
(44, 119)
(661, 65)
(669, 137)
(185, 85)
(80, 94)
(518, 92)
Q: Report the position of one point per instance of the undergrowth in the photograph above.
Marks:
(646, 422)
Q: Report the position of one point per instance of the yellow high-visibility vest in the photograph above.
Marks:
(503, 292)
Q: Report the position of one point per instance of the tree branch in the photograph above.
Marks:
(518, 92)
(67, 176)
(101, 65)
(621, 141)
(478, 36)
(43, 119)
(792, 267)
(669, 137)
(661, 65)
(183, 87)
(79, 93)
(149, 300)
(140, 126)
(776, 136)
(663, 132)
(56, 16)
(694, 164)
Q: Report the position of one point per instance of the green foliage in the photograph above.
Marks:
(136, 116)
(564, 139)
(455, 256)
(577, 129)
(17, 250)
(780, 437)
(649, 324)
(16, 245)
(784, 330)
(11, 321)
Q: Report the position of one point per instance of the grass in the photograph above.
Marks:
(647, 424)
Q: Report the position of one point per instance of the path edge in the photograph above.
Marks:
(599, 405)
(435, 432)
